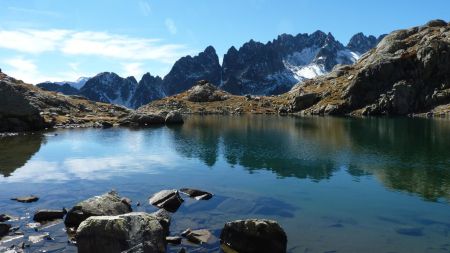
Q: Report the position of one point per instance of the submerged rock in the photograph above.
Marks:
(40, 237)
(174, 117)
(26, 199)
(169, 200)
(132, 232)
(107, 204)
(46, 215)
(4, 229)
(176, 240)
(254, 236)
(197, 236)
(4, 217)
(197, 194)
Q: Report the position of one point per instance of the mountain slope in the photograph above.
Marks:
(148, 89)
(408, 72)
(108, 87)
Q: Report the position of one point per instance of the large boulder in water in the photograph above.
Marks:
(132, 232)
(107, 204)
(204, 91)
(254, 236)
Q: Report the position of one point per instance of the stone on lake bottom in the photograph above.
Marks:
(4, 229)
(176, 240)
(254, 236)
(197, 194)
(47, 215)
(197, 236)
(26, 199)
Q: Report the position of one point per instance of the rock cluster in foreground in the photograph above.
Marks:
(105, 230)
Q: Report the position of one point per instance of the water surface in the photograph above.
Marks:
(334, 184)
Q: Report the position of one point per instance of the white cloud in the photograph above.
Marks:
(133, 69)
(28, 71)
(32, 41)
(91, 43)
(170, 24)
(145, 7)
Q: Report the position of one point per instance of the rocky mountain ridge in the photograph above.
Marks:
(407, 73)
(255, 68)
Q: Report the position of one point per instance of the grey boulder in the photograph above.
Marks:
(131, 232)
(107, 204)
(254, 236)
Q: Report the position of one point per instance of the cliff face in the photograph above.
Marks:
(408, 72)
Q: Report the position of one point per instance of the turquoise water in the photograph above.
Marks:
(334, 184)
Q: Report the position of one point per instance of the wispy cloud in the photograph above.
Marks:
(145, 7)
(32, 41)
(170, 25)
(103, 44)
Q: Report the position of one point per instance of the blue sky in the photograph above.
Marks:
(62, 40)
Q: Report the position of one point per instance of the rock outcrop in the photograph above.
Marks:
(107, 204)
(132, 232)
(25, 107)
(204, 91)
(408, 72)
(19, 109)
(254, 236)
(174, 117)
(142, 119)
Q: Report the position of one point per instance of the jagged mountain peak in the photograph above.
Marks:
(188, 70)
(361, 43)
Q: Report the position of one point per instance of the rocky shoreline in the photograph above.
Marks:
(107, 223)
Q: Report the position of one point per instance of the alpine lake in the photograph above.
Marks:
(333, 184)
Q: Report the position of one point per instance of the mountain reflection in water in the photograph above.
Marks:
(408, 155)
